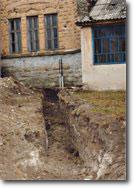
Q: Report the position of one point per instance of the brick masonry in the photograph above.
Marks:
(35, 65)
(69, 33)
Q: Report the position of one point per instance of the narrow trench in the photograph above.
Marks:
(62, 158)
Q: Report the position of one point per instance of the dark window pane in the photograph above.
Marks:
(123, 48)
(102, 59)
(51, 32)
(55, 33)
(49, 44)
(109, 44)
(114, 45)
(36, 40)
(35, 23)
(33, 33)
(54, 20)
(13, 37)
(108, 58)
(13, 47)
(117, 58)
(17, 25)
(48, 21)
(30, 24)
(31, 46)
(105, 45)
(19, 41)
(112, 58)
(97, 46)
(124, 57)
(55, 43)
(12, 25)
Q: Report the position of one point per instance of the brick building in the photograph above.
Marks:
(35, 34)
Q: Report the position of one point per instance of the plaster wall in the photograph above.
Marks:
(99, 77)
(43, 71)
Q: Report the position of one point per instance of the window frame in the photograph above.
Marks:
(33, 41)
(52, 27)
(98, 27)
(17, 38)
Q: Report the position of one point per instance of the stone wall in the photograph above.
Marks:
(44, 70)
(100, 139)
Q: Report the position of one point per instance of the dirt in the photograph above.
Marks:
(56, 135)
(98, 135)
(34, 143)
(62, 157)
(22, 132)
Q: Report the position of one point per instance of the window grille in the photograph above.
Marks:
(109, 44)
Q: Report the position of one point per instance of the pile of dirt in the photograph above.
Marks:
(96, 132)
(22, 131)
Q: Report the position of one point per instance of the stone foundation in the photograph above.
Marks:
(43, 71)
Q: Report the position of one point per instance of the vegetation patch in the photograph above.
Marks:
(105, 102)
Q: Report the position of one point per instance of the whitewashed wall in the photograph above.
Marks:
(99, 77)
(43, 71)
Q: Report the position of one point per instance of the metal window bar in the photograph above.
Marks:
(115, 35)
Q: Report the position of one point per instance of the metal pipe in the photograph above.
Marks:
(61, 74)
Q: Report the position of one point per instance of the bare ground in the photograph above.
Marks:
(27, 151)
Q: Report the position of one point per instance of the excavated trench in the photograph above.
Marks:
(69, 127)
(62, 159)
(74, 144)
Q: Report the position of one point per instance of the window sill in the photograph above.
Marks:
(97, 64)
(38, 54)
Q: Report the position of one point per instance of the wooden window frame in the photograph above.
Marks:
(17, 39)
(33, 33)
(110, 56)
(51, 27)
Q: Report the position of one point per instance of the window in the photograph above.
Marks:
(51, 27)
(15, 35)
(33, 38)
(109, 44)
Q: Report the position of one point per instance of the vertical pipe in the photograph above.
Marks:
(61, 75)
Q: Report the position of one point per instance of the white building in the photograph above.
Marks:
(103, 38)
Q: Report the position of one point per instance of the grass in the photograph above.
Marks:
(105, 102)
